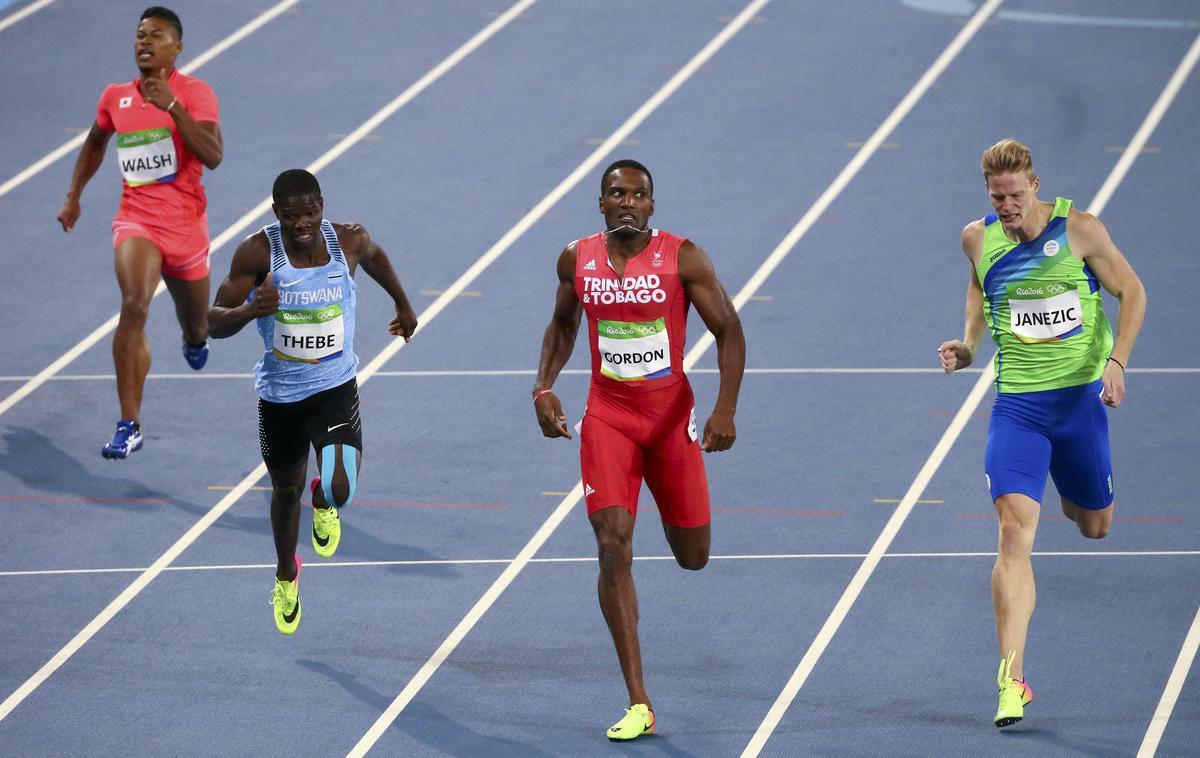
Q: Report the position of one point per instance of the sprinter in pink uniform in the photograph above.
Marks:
(167, 131)
(636, 284)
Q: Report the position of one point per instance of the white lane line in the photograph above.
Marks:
(1166, 704)
(796, 681)
(564, 507)
(592, 559)
(856, 163)
(328, 157)
(850, 595)
(1162, 714)
(28, 10)
(130, 592)
(192, 376)
(72, 144)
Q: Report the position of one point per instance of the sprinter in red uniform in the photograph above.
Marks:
(636, 284)
(167, 130)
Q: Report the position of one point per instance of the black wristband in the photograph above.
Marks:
(1114, 360)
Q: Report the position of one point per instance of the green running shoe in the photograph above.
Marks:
(286, 599)
(326, 531)
(1015, 694)
(638, 720)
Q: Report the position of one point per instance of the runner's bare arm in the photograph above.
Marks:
(716, 309)
(202, 138)
(91, 155)
(362, 250)
(1090, 241)
(249, 270)
(557, 344)
(956, 354)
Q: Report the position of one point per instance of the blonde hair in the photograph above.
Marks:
(1007, 157)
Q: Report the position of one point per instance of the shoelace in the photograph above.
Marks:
(632, 712)
(277, 595)
(1003, 675)
(321, 519)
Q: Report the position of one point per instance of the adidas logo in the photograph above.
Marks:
(590, 265)
(587, 489)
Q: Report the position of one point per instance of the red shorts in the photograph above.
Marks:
(650, 435)
(184, 248)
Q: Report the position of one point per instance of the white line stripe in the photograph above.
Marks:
(592, 559)
(28, 10)
(73, 143)
(855, 165)
(560, 512)
(831, 625)
(226, 502)
(796, 681)
(825, 636)
(1166, 704)
(1142, 136)
(576, 372)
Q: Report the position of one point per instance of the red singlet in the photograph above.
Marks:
(163, 199)
(640, 420)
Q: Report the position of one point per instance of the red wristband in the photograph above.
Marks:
(539, 393)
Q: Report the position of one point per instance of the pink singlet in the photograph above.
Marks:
(163, 199)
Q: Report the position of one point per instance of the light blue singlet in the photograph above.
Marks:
(309, 343)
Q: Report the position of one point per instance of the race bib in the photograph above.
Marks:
(1044, 312)
(147, 157)
(631, 350)
(309, 336)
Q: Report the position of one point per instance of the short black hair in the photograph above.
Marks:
(165, 14)
(624, 163)
(295, 182)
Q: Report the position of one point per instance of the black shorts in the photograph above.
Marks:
(285, 430)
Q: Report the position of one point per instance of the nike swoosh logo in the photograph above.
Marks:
(289, 284)
(291, 618)
(319, 540)
(335, 426)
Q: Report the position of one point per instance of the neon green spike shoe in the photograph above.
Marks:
(326, 531)
(286, 599)
(638, 720)
(1015, 694)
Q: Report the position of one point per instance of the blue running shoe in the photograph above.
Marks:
(196, 357)
(127, 439)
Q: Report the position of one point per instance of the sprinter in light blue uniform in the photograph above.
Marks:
(295, 279)
(308, 343)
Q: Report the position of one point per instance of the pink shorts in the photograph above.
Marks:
(184, 248)
(644, 435)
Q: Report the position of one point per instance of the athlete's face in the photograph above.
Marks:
(627, 202)
(300, 219)
(156, 45)
(1014, 198)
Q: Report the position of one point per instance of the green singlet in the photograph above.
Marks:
(1043, 308)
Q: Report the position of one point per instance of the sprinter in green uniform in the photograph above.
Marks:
(1036, 273)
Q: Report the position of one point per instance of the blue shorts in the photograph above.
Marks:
(1062, 432)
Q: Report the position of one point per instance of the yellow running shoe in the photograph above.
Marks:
(286, 599)
(638, 720)
(326, 531)
(1015, 694)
